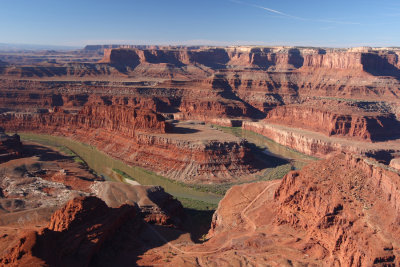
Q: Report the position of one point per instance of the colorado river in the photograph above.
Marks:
(103, 165)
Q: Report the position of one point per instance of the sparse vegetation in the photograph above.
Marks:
(124, 175)
(61, 148)
(278, 168)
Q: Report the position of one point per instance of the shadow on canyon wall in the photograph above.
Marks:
(379, 66)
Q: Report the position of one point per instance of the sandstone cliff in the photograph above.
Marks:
(138, 137)
(85, 232)
(337, 121)
(344, 217)
(121, 119)
(341, 211)
(378, 62)
(73, 237)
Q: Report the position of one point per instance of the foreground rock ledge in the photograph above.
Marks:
(342, 211)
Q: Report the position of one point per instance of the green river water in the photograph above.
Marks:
(104, 165)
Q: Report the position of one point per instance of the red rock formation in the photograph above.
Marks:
(74, 235)
(155, 205)
(123, 120)
(317, 144)
(336, 60)
(274, 58)
(395, 163)
(336, 121)
(121, 132)
(79, 233)
(219, 85)
(342, 211)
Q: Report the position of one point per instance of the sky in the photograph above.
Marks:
(335, 23)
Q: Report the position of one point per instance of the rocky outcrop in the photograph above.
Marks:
(209, 161)
(138, 137)
(343, 215)
(123, 120)
(271, 58)
(341, 211)
(81, 232)
(334, 60)
(337, 122)
(74, 235)
(10, 146)
(395, 163)
(309, 144)
(155, 205)
(317, 144)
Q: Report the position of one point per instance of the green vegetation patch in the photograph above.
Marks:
(123, 175)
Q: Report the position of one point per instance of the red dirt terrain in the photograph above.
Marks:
(48, 201)
(342, 211)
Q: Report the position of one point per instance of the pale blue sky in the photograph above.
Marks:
(221, 22)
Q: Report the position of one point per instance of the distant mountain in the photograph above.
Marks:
(19, 47)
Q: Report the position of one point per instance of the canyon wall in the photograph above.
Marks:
(140, 137)
(271, 58)
(302, 141)
(348, 228)
(335, 122)
(326, 214)
(123, 120)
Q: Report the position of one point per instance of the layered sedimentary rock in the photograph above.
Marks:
(250, 77)
(321, 145)
(342, 211)
(46, 187)
(354, 92)
(271, 58)
(304, 142)
(191, 153)
(337, 121)
(346, 215)
(395, 163)
(123, 120)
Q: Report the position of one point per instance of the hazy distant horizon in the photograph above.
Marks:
(207, 22)
(38, 47)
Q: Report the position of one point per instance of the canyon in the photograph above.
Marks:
(347, 93)
(342, 211)
(172, 111)
(48, 197)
